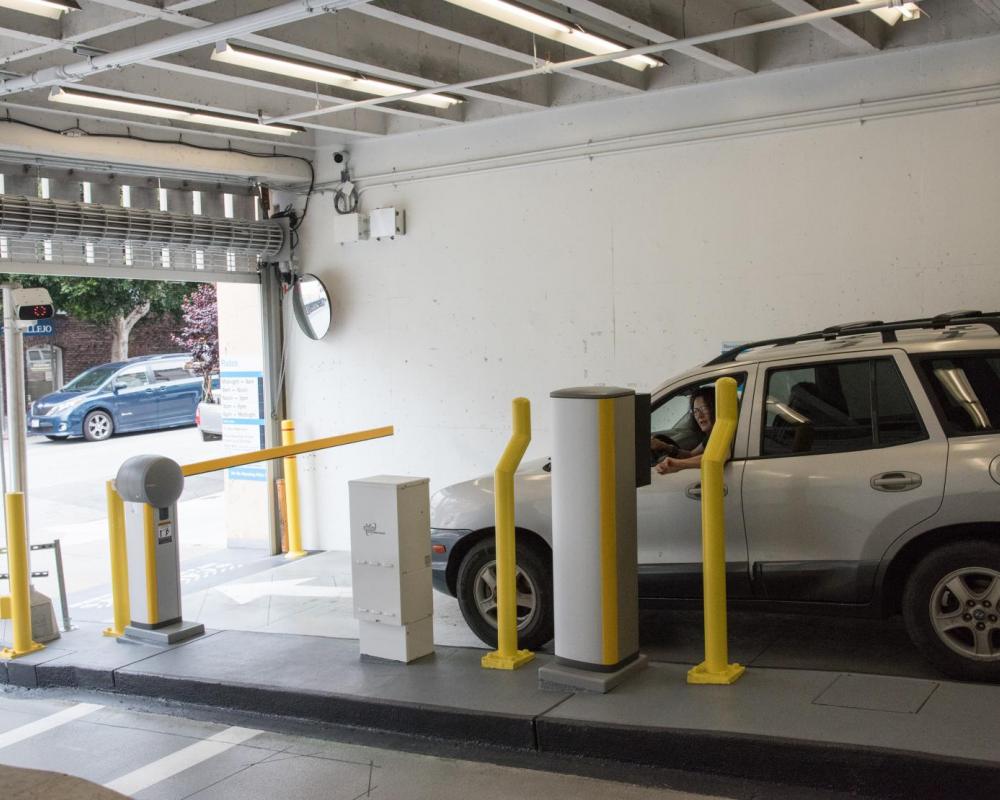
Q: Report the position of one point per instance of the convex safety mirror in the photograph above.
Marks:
(312, 306)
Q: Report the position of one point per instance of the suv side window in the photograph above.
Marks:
(170, 371)
(672, 416)
(132, 378)
(837, 407)
(967, 391)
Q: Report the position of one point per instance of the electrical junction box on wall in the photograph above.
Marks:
(386, 223)
(349, 228)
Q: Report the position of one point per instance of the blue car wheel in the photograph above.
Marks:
(98, 426)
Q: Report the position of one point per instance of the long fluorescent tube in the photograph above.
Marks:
(281, 65)
(529, 20)
(53, 9)
(897, 12)
(78, 97)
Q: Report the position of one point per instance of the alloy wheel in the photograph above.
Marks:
(485, 589)
(963, 609)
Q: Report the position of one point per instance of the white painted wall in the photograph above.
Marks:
(627, 267)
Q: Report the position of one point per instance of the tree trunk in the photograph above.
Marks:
(121, 328)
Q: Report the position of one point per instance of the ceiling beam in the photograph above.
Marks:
(176, 43)
(434, 22)
(831, 27)
(651, 34)
(363, 128)
(320, 57)
(991, 8)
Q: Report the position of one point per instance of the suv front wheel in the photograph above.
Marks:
(477, 594)
(950, 608)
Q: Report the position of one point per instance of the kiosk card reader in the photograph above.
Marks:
(150, 486)
(594, 545)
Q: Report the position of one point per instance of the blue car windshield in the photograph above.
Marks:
(88, 380)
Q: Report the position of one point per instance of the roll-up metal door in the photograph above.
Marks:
(49, 236)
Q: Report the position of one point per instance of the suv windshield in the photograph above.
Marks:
(90, 379)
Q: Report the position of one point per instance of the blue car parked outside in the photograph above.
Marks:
(144, 393)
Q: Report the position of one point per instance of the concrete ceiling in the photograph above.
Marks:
(495, 68)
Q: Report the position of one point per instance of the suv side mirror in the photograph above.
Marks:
(117, 386)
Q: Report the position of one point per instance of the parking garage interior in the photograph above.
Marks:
(417, 211)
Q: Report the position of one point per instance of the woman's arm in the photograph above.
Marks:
(671, 465)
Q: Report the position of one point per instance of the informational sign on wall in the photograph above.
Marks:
(243, 416)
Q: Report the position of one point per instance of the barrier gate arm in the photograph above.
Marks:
(715, 669)
(507, 656)
(242, 459)
(116, 510)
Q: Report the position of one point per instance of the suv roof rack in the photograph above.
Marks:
(888, 331)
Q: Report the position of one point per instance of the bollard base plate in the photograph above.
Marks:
(560, 677)
(9, 653)
(111, 632)
(496, 661)
(701, 676)
(170, 634)
(296, 554)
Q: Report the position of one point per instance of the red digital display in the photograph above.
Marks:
(32, 313)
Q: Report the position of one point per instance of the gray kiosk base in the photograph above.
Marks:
(558, 676)
(169, 634)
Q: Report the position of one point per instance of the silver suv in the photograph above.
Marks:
(865, 478)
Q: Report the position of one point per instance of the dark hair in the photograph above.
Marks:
(706, 393)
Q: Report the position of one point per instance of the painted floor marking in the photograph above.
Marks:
(23, 732)
(168, 766)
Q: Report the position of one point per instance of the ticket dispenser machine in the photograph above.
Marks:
(149, 487)
(600, 453)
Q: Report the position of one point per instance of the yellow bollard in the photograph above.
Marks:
(20, 584)
(119, 561)
(291, 493)
(507, 656)
(715, 669)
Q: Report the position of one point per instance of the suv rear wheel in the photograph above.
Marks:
(950, 608)
(477, 597)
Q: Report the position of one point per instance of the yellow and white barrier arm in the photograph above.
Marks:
(715, 669)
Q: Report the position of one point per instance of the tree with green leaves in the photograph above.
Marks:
(118, 303)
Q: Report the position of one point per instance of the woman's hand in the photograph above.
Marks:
(669, 466)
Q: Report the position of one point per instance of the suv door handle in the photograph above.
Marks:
(896, 481)
(694, 490)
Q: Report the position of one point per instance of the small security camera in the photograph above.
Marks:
(340, 158)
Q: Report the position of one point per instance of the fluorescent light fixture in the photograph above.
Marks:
(53, 9)
(557, 30)
(146, 108)
(897, 11)
(281, 65)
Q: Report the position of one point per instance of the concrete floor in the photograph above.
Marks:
(152, 756)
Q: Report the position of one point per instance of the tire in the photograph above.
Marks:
(951, 593)
(98, 426)
(56, 438)
(534, 581)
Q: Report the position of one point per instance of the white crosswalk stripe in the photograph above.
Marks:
(166, 767)
(23, 732)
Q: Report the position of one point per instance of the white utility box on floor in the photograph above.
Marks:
(391, 566)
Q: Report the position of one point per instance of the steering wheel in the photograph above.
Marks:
(661, 446)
